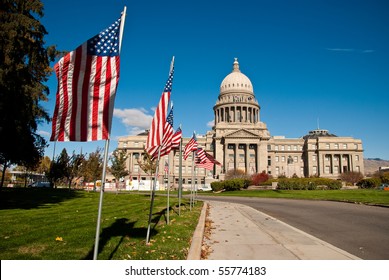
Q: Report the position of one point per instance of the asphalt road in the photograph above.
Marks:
(358, 229)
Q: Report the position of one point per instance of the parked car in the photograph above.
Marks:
(383, 186)
(204, 188)
(40, 184)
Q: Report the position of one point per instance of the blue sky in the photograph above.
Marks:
(312, 62)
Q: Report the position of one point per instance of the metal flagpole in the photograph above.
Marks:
(152, 197)
(191, 185)
(168, 190)
(180, 179)
(96, 248)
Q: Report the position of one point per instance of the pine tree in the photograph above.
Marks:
(24, 69)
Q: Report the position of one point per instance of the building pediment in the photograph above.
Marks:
(241, 133)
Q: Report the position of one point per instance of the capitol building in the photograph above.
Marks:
(240, 140)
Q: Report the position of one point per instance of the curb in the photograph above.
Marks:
(197, 239)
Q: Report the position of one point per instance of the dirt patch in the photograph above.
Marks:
(205, 248)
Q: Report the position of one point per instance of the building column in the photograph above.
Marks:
(235, 150)
(247, 163)
(225, 164)
(257, 158)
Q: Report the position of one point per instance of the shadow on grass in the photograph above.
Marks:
(28, 198)
(123, 228)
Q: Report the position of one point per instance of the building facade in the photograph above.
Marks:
(240, 140)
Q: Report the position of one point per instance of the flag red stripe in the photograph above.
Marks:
(65, 102)
(76, 75)
(85, 110)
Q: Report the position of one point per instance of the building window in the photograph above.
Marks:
(313, 146)
(295, 159)
(327, 145)
(269, 147)
(336, 146)
(277, 158)
(269, 161)
(314, 170)
(288, 148)
(344, 146)
(358, 168)
(283, 159)
(136, 144)
(276, 147)
(277, 170)
(294, 148)
(357, 157)
(327, 169)
(313, 157)
(282, 148)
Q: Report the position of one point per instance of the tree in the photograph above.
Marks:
(24, 69)
(236, 173)
(118, 167)
(75, 164)
(44, 165)
(93, 167)
(351, 177)
(59, 168)
(148, 165)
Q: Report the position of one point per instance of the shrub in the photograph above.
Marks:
(217, 186)
(369, 183)
(230, 185)
(259, 178)
(308, 184)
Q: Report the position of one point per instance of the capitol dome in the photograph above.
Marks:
(236, 81)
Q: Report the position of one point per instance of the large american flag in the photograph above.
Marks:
(176, 140)
(190, 146)
(167, 136)
(87, 82)
(157, 128)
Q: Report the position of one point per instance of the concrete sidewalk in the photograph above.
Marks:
(239, 232)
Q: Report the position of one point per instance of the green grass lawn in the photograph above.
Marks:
(366, 196)
(58, 224)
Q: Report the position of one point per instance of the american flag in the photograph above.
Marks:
(87, 82)
(167, 136)
(201, 156)
(155, 136)
(191, 146)
(208, 163)
(176, 141)
(166, 167)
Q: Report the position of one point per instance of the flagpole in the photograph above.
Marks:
(152, 197)
(191, 185)
(106, 148)
(168, 190)
(96, 249)
(180, 178)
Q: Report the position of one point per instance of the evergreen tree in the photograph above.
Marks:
(24, 69)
